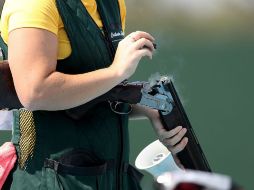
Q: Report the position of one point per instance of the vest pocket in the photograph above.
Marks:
(74, 172)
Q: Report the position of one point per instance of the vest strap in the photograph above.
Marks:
(129, 169)
(77, 170)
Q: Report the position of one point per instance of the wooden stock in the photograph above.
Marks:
(8, 95)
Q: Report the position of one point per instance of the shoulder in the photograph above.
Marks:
(29, 13)
(32, 6)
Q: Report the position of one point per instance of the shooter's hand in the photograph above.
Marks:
(174, 139)
(130, 51)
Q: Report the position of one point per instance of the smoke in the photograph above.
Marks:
(156, 77)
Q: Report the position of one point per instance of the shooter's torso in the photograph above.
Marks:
(93, 151)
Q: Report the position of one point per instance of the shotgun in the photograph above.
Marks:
(161, 96)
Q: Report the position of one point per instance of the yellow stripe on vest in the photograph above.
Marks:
(27, 137)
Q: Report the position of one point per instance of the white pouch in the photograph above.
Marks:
(6, 120)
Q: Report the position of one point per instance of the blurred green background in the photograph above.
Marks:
(207, 46)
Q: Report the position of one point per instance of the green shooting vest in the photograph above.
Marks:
(56, 152)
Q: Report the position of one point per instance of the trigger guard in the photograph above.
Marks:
(115, 105)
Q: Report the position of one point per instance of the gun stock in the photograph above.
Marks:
(127, 93)
(8, 95)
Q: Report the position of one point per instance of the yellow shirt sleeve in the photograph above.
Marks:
(43, 14)
(29, 13)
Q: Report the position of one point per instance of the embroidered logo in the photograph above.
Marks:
(117, 34)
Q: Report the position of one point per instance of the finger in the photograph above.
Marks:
(179, 147)
(178, 162)
(145, 52)
(142, 43)
(175, 139)
(140, 34)
(130, 38)
(169, 134)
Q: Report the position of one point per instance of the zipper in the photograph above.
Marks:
(120, 166)
(102, 36)
(111, 51)
(105, 36)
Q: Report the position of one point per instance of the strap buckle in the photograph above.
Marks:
(49, 163)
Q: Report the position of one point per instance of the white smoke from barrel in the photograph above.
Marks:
(156, 77)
